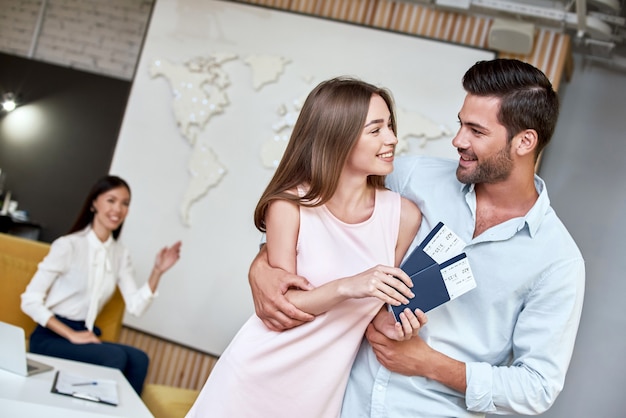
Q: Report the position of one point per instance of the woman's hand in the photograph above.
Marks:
(70, 334)
(167, 257)
(389, 284)
(83, 337)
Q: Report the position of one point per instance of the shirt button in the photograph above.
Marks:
(379, 388)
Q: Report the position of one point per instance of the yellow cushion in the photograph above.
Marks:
(18, 263)
(110, 318)
(168, 401)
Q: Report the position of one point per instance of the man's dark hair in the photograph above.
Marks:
(527, 99)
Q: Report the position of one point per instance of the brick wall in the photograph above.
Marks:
(98, 36)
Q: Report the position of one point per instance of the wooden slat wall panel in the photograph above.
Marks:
(174, 365)
(170, 364)
(551, 52)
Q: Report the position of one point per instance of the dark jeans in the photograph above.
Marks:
(132, 362)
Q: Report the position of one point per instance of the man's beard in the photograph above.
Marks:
(496, 168)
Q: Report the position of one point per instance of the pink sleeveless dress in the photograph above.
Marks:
(303, 372)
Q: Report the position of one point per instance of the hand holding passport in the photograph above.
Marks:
(440, 271)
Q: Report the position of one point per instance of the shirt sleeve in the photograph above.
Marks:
(54, 264)
(543, 342)
(402, 168)
(136, 299)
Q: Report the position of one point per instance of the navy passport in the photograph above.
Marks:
(429, 286)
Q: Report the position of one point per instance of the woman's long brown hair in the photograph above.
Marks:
(330, 123)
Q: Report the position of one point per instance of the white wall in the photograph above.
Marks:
(206, 298)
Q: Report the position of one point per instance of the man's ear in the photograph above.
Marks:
(526, 142)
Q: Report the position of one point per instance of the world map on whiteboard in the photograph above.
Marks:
(199, 89)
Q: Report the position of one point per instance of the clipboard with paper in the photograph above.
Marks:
(439, 269)
(82, 387)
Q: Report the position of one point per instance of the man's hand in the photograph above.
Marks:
(408, 327)
(404, 357)
(416, 358)
(269, 286)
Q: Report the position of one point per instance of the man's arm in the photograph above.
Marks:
(269, 286)
(542, 343)
(416, 358)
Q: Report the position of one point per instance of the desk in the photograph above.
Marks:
(24, 229)
(31, 397)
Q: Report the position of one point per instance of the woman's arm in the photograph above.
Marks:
(54, 264)
(282, 222)
(138, 299)
(410, 221)
(387, 283)
(76, 337)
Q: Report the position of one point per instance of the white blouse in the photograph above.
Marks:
(81, 271)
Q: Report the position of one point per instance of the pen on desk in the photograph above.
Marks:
(84, 384)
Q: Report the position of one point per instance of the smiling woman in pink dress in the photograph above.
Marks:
(327, 217)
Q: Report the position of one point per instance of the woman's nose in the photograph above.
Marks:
(391, 138)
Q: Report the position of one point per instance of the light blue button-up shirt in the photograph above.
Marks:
(515, 331)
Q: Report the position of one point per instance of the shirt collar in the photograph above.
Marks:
(535, 215)
(94, 241)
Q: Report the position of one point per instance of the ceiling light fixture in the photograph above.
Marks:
(8, 102)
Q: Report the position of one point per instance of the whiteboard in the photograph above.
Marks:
(204, 299)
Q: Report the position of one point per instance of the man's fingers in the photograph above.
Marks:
(281, 324)
(372, 335)
(273, 325)
(298, 282)
(282, 318)
(294, 314)
(423, 318)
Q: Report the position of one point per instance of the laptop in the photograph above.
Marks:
(13, 352)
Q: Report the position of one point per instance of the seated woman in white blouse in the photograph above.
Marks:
(79, 275)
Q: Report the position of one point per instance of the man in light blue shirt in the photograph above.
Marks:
(514, 332)
(505, 346)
